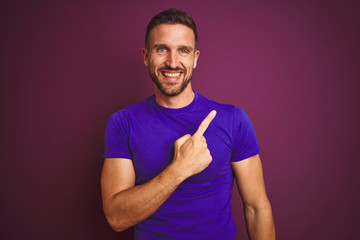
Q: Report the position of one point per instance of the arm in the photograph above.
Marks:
(126, 204)
(257, 208)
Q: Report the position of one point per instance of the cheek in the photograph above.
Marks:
(154, 68)
(156, 63)
(190, 66)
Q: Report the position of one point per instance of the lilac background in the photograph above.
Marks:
(293, 66)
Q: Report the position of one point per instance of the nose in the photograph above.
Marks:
(172, 60)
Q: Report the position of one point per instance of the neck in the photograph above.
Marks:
(179, 101)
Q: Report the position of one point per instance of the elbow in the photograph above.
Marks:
(117, 224)
(258, 206)
(116, 228)
(115, 219)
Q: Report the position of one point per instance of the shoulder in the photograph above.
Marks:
(131, 111)
(228, 116)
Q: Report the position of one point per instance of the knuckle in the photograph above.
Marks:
(183, 138)
(204, 124)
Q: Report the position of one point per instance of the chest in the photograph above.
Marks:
(152, 148)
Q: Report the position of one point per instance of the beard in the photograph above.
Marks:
(170, 89)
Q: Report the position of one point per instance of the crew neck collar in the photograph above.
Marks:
(176, 110)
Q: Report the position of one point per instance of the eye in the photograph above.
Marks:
(161, 50)
(184, 51)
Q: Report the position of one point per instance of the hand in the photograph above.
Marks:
(192, 155)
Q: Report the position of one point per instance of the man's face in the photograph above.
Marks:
(171, 57)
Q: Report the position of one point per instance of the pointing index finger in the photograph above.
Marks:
(205, 124)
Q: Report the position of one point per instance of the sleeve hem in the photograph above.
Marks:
(250, 154)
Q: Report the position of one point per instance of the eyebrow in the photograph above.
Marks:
(160, 45)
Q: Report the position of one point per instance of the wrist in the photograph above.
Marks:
(177, 173)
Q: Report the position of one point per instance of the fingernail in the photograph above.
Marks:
(213, 112)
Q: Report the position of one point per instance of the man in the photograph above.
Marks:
(170, 160)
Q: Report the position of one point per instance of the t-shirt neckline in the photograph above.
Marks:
(176, 110)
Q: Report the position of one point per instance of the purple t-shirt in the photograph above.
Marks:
(200, 207)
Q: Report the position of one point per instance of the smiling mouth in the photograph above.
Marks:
(171, 74)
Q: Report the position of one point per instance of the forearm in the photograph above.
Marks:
(260, 223)
(131, 206)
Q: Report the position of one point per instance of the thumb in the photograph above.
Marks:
(179, 142)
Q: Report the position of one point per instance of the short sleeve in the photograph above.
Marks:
(116, 142)
(244, 141)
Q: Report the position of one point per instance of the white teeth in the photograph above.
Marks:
(171, 74)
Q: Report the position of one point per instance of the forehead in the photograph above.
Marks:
(172, 34)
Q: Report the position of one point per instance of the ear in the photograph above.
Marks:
(145, 54)
(196, 57)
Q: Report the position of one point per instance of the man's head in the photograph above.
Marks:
(171, 51)
(171, 16)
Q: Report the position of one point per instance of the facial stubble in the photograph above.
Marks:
(173, 92)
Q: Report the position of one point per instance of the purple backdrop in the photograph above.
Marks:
(293, 66)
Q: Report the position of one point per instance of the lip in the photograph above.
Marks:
(171, 75)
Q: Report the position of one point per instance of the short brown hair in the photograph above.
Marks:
(171, 16)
